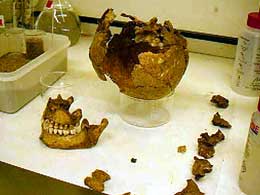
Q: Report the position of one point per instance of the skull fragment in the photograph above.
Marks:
(146, 60)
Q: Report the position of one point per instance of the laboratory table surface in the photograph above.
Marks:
(159, 168)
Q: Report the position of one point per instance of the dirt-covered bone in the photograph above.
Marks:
(62, 129)
(200, 167)
(146, 59)
(190, 189)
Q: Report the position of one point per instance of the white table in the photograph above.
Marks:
(159, 168)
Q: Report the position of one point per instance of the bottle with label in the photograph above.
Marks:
(2, 24)
(250, 171)
(246, 72)
(6, 13)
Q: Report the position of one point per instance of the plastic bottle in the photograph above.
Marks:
(250, 171)
(2, 24)
(246, 72)
(6, 12)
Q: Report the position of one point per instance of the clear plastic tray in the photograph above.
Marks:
(19, 87)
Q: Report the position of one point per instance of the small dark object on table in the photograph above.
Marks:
(201, 167)
(219, 101)
(218, 121)
(182, 149)
(94, 184)
(207, 142)
(101, 175)
(190, 189)
(133, 160)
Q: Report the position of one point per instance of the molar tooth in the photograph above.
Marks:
(56, 126)
(55, 131)
(66, 132)
(45, 126)
(65, 126)
(61, 127)
(51, 125)
(52, 122)
(73, 132)
(50, 130)
(71, 127)
(60, 132)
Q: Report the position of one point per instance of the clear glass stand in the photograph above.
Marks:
(52, 86)
(144, 113)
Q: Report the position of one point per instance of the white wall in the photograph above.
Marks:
(222, 17)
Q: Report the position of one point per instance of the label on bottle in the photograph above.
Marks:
(2, 21)
(49, 4)
(254, 128)
(250, 171)
(246, 73)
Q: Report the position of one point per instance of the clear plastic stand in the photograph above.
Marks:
(144, 113)
(52, 86)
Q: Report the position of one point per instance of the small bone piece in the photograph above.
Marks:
(182, 149)
(190, 189)
(219, 101)
(94, 184)
(201, 167)
(101, 175)
(206, 143)
(218, 121)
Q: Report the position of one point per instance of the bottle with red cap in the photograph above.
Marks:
(249, 179)
(246, 71)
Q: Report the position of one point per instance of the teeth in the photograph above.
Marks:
(56, 126)
(66, 132)
(45, 126)
(50, 130)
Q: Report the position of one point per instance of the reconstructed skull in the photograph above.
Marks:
(146, 60)
(62, 129)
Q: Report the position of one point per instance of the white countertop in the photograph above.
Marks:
(159, 169)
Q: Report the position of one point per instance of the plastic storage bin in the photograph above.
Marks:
(19, 87)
